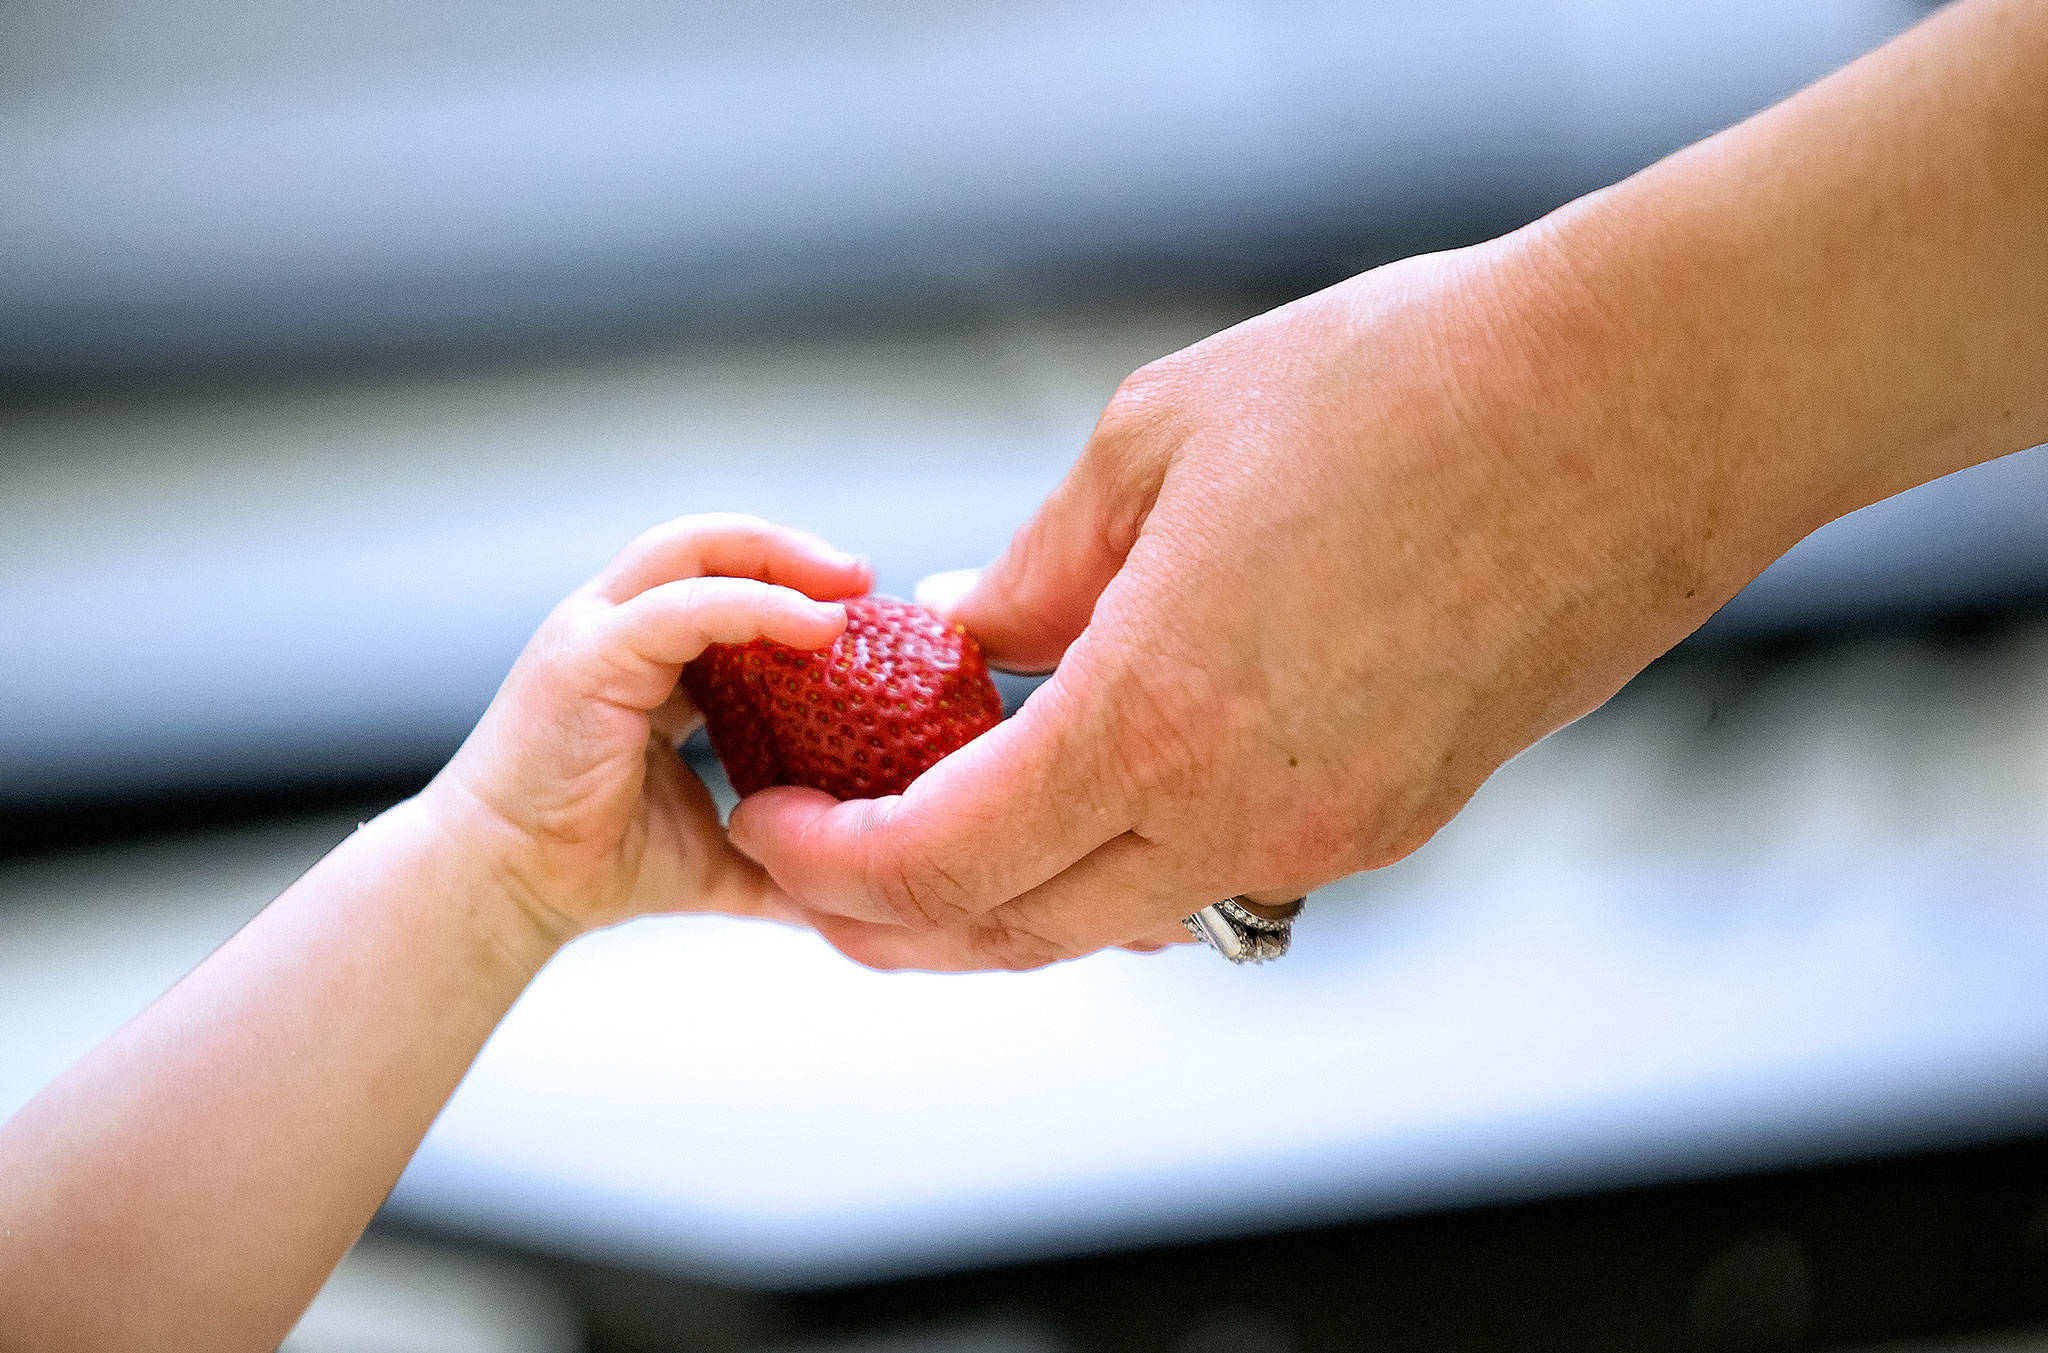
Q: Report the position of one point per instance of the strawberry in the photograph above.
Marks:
(862, 718)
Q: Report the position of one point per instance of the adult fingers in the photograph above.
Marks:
(641, 645)
(1004, 813)
(1127, 891)
(1116, 898)
(1130, 889)
(891, 948)
(736, 545)
(1161, 937)
(1036, 598)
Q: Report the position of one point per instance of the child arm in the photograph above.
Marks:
(193, 1180)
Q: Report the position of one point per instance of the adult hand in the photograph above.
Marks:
(1313, 579)
(1310, 582)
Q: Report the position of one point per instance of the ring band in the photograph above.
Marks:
(1242, 935)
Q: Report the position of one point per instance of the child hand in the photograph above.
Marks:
(570, 787)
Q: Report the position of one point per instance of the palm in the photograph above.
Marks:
(575, 764)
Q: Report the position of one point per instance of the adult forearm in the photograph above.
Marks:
(1840, 298)
(1316, 577)
(192, 1181)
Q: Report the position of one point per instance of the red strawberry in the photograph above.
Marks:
(894, 693)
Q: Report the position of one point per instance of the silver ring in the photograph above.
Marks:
(1240, 934)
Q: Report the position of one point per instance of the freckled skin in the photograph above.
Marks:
(1316, 577)
(895, 693)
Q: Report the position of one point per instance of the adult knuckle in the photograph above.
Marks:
(1158, 390)
(1326, 836)
(1421, 827)
(1140, 402)
(1124, 458)
(1385, 848)
(914, 886)
(1329, 815)
(1397, 819)
(1146, 406)
(1012, 948)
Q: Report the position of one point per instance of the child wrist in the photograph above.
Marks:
(488, 862)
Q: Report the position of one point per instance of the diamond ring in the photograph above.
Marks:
(1239, 929)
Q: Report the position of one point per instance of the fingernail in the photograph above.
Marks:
(943, 591)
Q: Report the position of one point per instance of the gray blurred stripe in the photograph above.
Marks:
(510, 191)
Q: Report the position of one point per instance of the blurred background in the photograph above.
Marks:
(336, 342)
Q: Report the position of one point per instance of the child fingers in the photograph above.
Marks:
(737, 545)
(641, 643)
(728, 881)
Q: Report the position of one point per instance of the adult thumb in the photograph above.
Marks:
(1035, 599)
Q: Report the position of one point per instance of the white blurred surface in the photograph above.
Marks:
(1743, 918)
(403, 1296)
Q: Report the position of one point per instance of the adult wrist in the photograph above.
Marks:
(1844, 293)
(1680, 372)
(1581, 378)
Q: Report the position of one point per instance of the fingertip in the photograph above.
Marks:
(770, 816)
(1010, 642)
(844, 575)
(792, 618)
(831, 615)
(943, 592)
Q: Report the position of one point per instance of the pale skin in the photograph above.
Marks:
(1313, 579)
(193, 1180)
